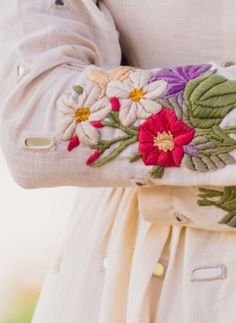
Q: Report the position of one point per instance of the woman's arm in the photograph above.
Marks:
(97, 123)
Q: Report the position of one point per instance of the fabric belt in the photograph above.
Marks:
(175, 205)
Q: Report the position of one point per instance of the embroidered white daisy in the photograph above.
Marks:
(137, 101)
(80, 112)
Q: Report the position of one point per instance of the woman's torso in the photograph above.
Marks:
(161, 33)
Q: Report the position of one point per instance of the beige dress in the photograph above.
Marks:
(131, 254)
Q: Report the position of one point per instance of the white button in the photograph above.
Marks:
(105, 263)
(159, 270)
(180, 218)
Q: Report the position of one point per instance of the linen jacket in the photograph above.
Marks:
(163, 132)
(98, 123)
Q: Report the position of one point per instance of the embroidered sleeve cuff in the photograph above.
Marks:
(175, 125)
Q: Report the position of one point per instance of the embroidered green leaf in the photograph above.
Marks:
(157, 172)
(225, 200)
(209, 100)
(214, 141)
(135, 157)
(203, 163)
(202, 143)
(229, 219)
(78, 89)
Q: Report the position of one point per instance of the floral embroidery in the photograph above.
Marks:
(81, 111)
(162, 138)
(173, 117)
(102, 78)
(224, 199)
(178, 77)
(137, 101)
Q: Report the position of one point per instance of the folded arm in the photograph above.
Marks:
(71, 115)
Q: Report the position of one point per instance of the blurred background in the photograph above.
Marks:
(32, 224)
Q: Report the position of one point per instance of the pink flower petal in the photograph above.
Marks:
(74, 142)
(115, 103)
(97, 124)
(165, 159)
(184, 135)
(178, 154)
(92, 158)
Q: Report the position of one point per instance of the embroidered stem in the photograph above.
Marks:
(157, 172)
(115, 123)
(124, 144)
(106, 144)
(135, 157)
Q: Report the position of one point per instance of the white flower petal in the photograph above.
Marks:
(100, 109)
(118, 89)
(147, 108)
(66, 103)
(155, 89)
(65, 108)
(87, 134)
(67, 129)
(125, 102)
(91, 94)
(140, 78)
(128, 114)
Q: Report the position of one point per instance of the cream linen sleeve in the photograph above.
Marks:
(71, 115)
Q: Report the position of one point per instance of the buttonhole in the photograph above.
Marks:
(59, 2)
(180, 217)
(57, 267)
(20, 71)
(38, 142)
(208, 273)
(139, 184)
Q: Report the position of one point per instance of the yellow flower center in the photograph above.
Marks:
(164, 141)
(136, 95)
(81, 114)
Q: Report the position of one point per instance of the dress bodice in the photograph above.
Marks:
(175, 33)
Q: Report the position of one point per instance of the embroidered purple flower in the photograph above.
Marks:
(191, 150)
(177, 78)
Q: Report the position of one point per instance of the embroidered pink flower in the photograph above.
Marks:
(162, 138)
